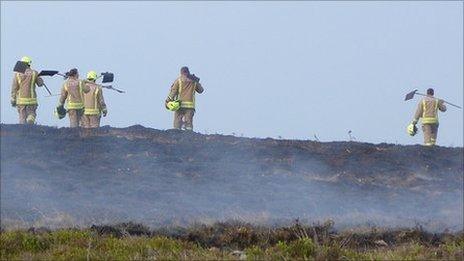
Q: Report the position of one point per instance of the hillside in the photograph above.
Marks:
(63, 177)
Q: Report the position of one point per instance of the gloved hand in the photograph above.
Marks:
(105, 112)
(13, 103)
(412, 129)
(60, 111)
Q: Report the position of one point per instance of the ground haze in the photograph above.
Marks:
(61, 177)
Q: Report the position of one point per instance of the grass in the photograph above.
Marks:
(228, 241)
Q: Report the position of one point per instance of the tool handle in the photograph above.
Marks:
(120, 91)
(454, 105)
(48, 90)
(112, 88)
(64, 76)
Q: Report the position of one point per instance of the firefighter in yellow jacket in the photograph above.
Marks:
(183, 95)
(23, 93)
(73, 93)
(94, 103)
(427, 109)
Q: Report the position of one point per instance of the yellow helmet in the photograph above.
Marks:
(173, 105)
(92, 75)
(26, 59)
(411, 129)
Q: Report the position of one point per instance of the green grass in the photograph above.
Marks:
(221, 241)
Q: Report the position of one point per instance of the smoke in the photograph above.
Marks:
(60, 178)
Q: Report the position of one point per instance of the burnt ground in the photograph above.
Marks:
(63, 177)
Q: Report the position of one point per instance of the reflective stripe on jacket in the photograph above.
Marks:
(183, 89)
(430, 119)
(73, 93)
(427, 109)
(77, 104)
(94, 103)
(23, 88)
(187, 104)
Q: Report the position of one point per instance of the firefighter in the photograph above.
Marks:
(23, 93)
(94, 104)
(73, 93)
(181, 99)
(427, 109)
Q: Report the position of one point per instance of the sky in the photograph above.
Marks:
(292, 70)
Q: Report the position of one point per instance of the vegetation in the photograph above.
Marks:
(229, 241)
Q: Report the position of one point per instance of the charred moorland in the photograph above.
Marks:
(61, 177)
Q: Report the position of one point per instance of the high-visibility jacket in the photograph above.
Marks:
(73, 92)
(183, 89)
(94, 103)
(23, 87)
(427, 109)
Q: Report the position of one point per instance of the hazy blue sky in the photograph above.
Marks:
(290, 69)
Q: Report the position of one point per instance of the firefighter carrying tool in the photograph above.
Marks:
(73, 92)
(427, 110)
(94, 104)
(23, 93)
(181, 99)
